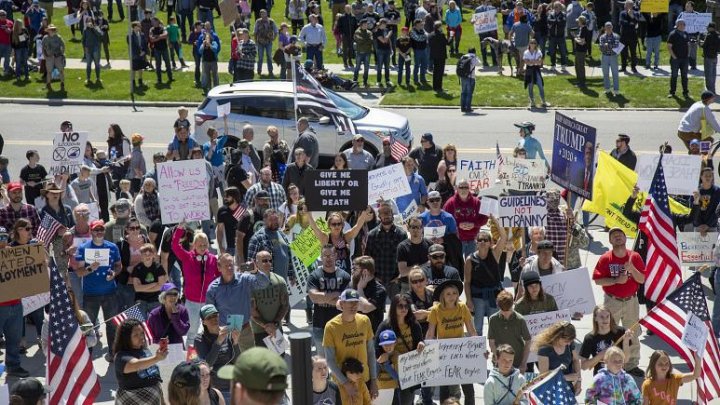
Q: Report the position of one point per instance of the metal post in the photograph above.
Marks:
(129, 3)
(301, 368)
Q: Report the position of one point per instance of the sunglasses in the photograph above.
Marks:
(437, 256)
(99, 230)
(483, 240)
(173, 294)
(266, 261)
(359, 140)
(336, 224)
(464, 187)
(434, 200)
(452, 171)
(27, 228)
(414, 227)
(417, 280)
(83, 214)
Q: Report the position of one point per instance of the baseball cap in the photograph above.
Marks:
(30, 390)
(207, 310)
(186, 374)
(695, 142)
(98, 223)
(350, 295)
(14, 186)
(545, 244)
(434, 194)
(427, 136)
(168, 287)
(529, 278)
(707, 94)
(436, 248)
(387, 337)
(262, 194)
(613, 229)
(259, 369)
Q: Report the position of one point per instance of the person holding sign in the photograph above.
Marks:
(555, 347)
(604, 334)
(662, 384)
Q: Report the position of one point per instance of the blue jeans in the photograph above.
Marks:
(317, 337)
(466, 93)
(422, 57)
(21, 66)
(160, 56)
(483, 308)
(194, 315)
(554, 44)
(710, 68)
(609, 63)
(362, 58)
(541, 89)
(383, 61)
(403, 65)
(11, 326)
(314, 52)
(468, 247)
(5, 52)
(185, 16)
(125, 296)
(681, 65)
(206, 15)
(76, 285)
(37, 316)
(176, 276)
(652, 44)
(262, 51)
(92, 56)
(176, 49)
(109, 305)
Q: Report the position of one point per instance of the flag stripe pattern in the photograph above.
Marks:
(663, 272)
(70, 373)
(397, 149)
(668, 319)
(499, 159)
(133, 313)
(310, 94)
(552, 389)
(49, 228)
(239, 212)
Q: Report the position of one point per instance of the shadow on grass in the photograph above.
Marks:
(445, 95)
(586, 90)
(161, 86)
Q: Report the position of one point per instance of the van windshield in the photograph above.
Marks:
(354, 111)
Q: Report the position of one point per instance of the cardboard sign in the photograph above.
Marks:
(573, 161)
(444, 362)
(485, 21)
(101, 256)
(523, 174)
(679, 170)
(228, 11)
(336, 190)
(35, 302)
(571, 289)
(480, 174)
(696, 23)
(223, 110)
(522, 211)
(654, 6)
(489, 206)
(306, 245)
(298, 291)
(183, 191)
(23, 272)
(694, 249)
(386, 183)
(277, 343)
(537, 323)
(68, 152)
(695, 333)
(71, 19)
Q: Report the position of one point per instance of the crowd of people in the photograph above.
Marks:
(219, 287)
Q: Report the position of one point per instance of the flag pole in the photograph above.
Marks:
(293, 64)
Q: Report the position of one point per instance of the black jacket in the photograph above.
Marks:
(348, 25)
(711, 46)
(438, 45)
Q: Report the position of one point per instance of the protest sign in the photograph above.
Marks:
(485, 21)
(386, 183)
(228, 11)
(183, 191)
(409, 212)
(571, 289)
(696, 23)
(101, 256)
(462, 361)
(68, 152)
(23, 272)
(434, 232)
(71, 19)
(480, 174)
(35, 302)
(94, 211)
(537, 323)
(654, 6)
(695, 334)
(695, 249)
(298, 290)
(489, 206)
(223, 110)
(306, 245)
(573, 161)
(522, 174)
(678, 169)
(277, 343)
(337, 190)
(385, 396)
(522, 211)
(705, 146)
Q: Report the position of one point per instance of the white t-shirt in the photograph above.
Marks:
(536, 55)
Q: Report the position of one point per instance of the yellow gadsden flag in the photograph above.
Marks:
(612, 185)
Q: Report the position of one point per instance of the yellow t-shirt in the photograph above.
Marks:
(662, 393)
(405, 336)
(384, 379)
(363, 397)
(349, 339)
(450, 323)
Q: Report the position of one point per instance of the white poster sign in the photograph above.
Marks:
(523, 174)
(695, 334)
(480, 174)
(678, 169)
(387, 182)
(485, 21)
(695, 249)
(696, 22)
(183, 191)
(277, 343)
(223, 110)
(298, 290)
(434, 232)
(35, 302)
(571, 289)
(101, 256)
(445, 362)
(538, 322)
(522, 211)
(384, 397)
(95, 211)
(489, 206)
(68, 152)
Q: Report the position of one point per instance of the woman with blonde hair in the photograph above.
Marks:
(339, 238)
(555, 347)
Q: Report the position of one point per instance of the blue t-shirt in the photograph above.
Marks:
(444, 219)
(95, 283)
(217, 158)
(418, 190)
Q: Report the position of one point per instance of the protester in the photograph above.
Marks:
(53, 50)
(149, 280)
(608, 43)
(325, 391)
(612, 383)
(325, 284)
(691, 126)
(623, 153)
(217, 345)
(503, 385)
(507, 326)
(604, 334)
(483, 276)
(270, 304)
(662, 383)
(136, 368)
(382, 245)
(170, 320)
(555, 347)
(678, 45)
(184, 385)
(534, 299)
(28, 391)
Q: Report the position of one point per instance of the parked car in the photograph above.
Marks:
(267, 102)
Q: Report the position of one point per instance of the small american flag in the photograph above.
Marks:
(239, 212)
(49, 228)
(499, 157)
(133, 313)
(70, 373)
(553, 389)
(397, 149)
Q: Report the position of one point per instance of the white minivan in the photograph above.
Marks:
(269, 102)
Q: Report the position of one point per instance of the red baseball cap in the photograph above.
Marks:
(97, 223)
(14, 186)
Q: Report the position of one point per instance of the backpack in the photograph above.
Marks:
(464, 66)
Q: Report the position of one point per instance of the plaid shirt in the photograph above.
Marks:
(382, 247)
(8, 216)
(260, 241)
(248, 50)
(277, 194)
(608, 43)
(556, 232)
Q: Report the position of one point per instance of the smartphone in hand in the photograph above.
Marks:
(164, 343)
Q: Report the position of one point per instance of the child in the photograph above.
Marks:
(4, 173)
(174, 39)
(102, 159)
(182, 118)
(147, 278)
(505, 381)
(137, 163)
(125, 189)
(324, 390)
(661, 385)
(387, 376)
(353, 370)
(32, 176)
(84, 186)
(612, 385)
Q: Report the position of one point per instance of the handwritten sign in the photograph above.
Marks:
(485, 21)
(462, 361)
(183, 191)
(571, 289)
(306, 245)
(678, 169)
(228, 11)
(539, 322)
(489, 206)
(480, 174)
(695, 334)
(523, 174)
(573, 159)
(696, 23)
(695, 249)
(298, 291)
(35, 302)
(387, 182)
(522, 211)
(68, 152)
(101, 256)
(277, 343)
(23, 272)
(654, 6)
(343, 190)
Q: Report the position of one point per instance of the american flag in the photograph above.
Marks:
(668, 319)
(239, 212)
(49, 228)
(397, 149)
(499, 157)
(133, 313)
(552, 389)
(311, 95)
(663, 264)
(70, 371)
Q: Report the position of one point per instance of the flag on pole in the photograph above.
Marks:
(70, 373)
(662, 271)
(239, 212)
(309, 94)
(552, 389)
(499, 158)
(668, 320)
(397, 149)
(48, 229)
(133, 313)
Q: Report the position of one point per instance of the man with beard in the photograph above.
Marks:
(412, 252)
(273, 191)
(382, 244)
(115, 229)
(250, 221)
(436, 270)
(295, 172)
(17, 209)
(227, 220)
(270, 238)
(372, 293)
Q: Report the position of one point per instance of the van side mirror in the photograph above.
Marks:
(324, 121)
